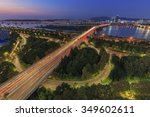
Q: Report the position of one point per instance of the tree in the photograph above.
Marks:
(78, 62)
(7, 70)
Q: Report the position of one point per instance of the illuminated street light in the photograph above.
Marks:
(103, 34)
(131, 38)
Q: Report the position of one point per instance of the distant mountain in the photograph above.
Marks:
(36, 20)
(21, 20)
(104, 18)
(57, 20)
(129, 19)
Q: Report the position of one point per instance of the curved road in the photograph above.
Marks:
(52, 83)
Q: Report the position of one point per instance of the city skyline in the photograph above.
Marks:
(39, 9)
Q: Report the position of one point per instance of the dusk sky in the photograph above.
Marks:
(73, 8)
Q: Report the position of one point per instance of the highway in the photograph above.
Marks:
(24, 84)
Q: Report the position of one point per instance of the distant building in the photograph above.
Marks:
(112, 19)
(115, 19)
(140, 21)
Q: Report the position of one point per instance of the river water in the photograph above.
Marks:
(3, 37)
(125, 31)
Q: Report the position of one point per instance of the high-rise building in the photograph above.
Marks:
(115, 19)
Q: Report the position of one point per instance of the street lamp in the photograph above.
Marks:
(103, 35)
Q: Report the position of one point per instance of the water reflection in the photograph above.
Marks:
(124, 31)
(146, 34)
(4, 35)
(110, 29)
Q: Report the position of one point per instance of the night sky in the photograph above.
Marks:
(73, 8)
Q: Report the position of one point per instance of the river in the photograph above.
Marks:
(126, 31)
(4, 35)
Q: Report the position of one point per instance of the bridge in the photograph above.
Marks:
(24, 84)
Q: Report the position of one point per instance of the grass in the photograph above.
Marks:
(83, 45)
(106, 81)
(136, 80)
(133, 80)
(142, 55)
(92, 44)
